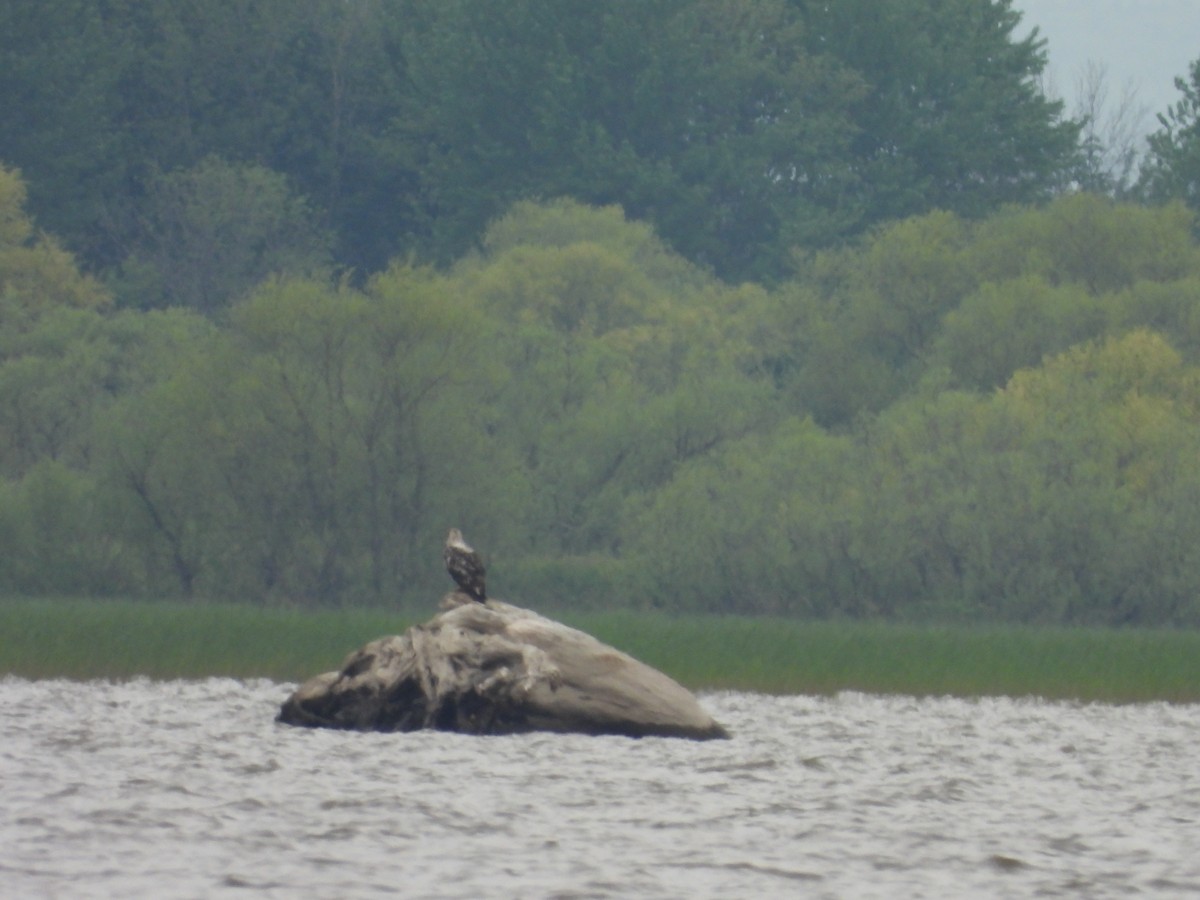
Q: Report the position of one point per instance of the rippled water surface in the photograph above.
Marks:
(189, 789)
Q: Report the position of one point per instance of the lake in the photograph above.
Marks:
(190, 789)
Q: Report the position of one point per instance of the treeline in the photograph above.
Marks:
(186, 148)
(953, 419)
(823, 329)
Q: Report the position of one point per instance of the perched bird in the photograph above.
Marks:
(464, 566)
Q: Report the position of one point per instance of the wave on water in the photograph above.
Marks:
(189, 788)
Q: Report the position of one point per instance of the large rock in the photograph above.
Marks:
(497, 669)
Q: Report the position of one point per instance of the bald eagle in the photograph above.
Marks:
(464, 566)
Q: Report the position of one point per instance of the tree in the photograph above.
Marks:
(953, 117)
(36, 274)
(763, 523)
(741, 130)
(1003, 327)
(1111, 134)
(1171, 308)
(1107, 427)
(1055, 499)
(873, 310)
(54, 537)
(709, 119)
(1172, 167)
(55, 380)
(165, 493)
(624, 362)
(863, 324)
(211, 233)
(313, 449)
(308, 90)
(60, 75)
(1089, 240)
(100, 98)
(56, 360)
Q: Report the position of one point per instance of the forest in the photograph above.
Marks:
(783, 308)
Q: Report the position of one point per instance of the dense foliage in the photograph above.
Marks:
(976, 420)
(1172, 170)
(818, 326)
(737, 129)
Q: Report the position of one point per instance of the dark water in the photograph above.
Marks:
(189, 789)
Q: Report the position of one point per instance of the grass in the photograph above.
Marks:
(120, 639)
(123, 639)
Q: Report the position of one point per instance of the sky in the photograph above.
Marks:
(1142, 44)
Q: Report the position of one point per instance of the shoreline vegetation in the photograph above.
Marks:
(116, 639)
(698, 303)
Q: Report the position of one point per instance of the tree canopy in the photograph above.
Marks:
(740, 131)
(784, 307)
(1172, 169)
(951, 418)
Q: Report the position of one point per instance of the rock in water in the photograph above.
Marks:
(497, 669)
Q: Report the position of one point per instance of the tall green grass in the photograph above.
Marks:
(122, 639)
(104, 639)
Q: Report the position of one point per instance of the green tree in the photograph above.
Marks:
(211, 233)
(1034, 504)
(58, 358)
(932, 473)
(1088, 240)
(101, 97)
(1108, 426)
(1171, 170)
(166, 498)
(308, 90)
(953, 117)
(36, 274)
(60, 74)
(863, 324)
(763, 524)
(709, 119)
(872, 312)
(1171, 308)
(313, 449)
(624, 362)
(1011, 325)
(66, 362)
(740, 130)
(55, 538)
(52, 384)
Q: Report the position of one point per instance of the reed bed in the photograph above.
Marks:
(120, 639)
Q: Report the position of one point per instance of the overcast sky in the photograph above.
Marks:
(1146, 44)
